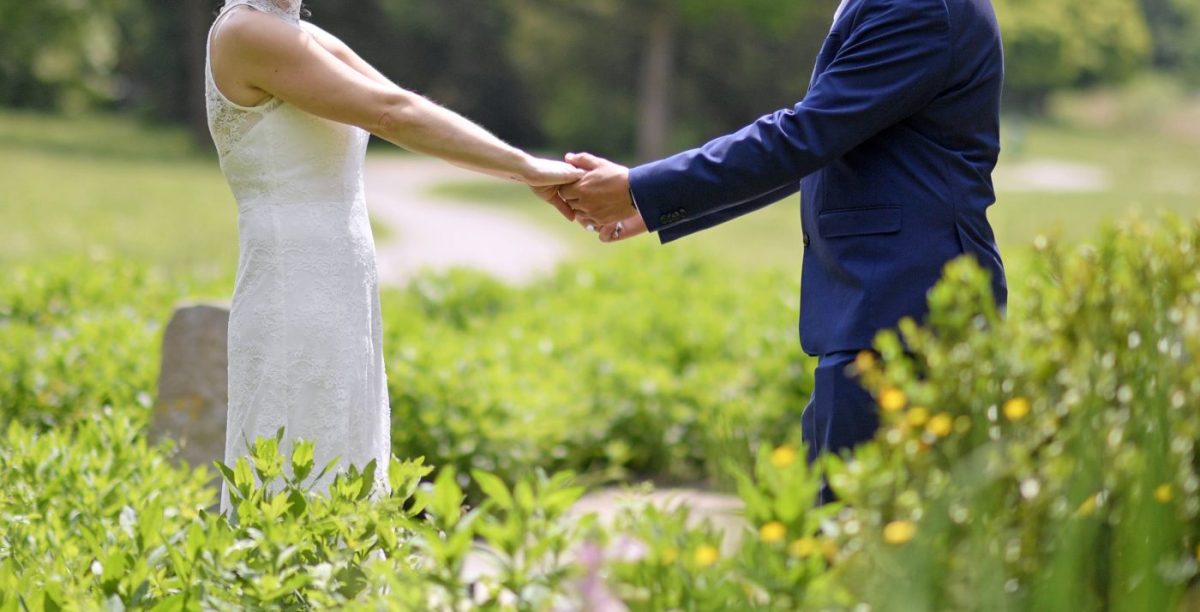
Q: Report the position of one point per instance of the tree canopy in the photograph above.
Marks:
(624, 77)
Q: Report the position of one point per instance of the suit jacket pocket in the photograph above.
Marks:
(859, 221)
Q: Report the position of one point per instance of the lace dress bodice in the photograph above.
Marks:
(305, 332)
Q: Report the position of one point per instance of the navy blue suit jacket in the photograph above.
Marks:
(892, 148)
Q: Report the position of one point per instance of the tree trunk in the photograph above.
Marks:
(654, 95)
(197, 15)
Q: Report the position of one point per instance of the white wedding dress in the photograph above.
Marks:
(305, 333)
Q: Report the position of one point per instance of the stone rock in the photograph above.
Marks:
(193, 383)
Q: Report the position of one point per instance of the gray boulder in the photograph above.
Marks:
(192, 384)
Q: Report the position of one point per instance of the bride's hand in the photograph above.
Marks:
(623, 230)
(546, 172)
(545, 176)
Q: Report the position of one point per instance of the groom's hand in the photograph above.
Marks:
(602, 196)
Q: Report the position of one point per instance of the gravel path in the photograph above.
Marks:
(434, 233)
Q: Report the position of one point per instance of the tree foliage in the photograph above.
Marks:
(1175, 26)
(58, 52)
(610, 75)
(666, 72)
(1056, 44)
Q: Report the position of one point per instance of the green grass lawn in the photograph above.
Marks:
(1145, 172)
(109, 187)
(104, 186)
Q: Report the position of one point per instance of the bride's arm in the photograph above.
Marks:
(262, 52)
(348, 56)
(343, 52)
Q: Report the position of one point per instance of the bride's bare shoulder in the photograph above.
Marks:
(246, 30)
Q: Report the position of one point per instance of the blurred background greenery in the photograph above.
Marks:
(112, 208)
(104, 147)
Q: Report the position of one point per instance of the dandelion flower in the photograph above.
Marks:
(783, 456)
(892, 399)
(918, 416)
(1016, 409)
(1089, 505)
(899, 532)
(773, 532)
(865, 361)
(829, 549)
(1164, 493)
(803, 547)
(669, 556)
(940, 425)
(706, 555)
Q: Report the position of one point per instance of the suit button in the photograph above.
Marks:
(806, 239)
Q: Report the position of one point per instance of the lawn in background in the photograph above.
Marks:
(1143, 142)
(102, 187)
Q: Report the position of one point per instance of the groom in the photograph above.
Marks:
(892, 149)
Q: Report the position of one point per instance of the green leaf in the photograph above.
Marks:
(368, 480)
(493, 488)
(447, 497)
(302, 459)
(524, 496)
(243, 477)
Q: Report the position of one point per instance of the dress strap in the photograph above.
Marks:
(286, 9)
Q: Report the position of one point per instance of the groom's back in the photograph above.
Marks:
(882, 220)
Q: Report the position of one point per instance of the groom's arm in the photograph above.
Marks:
(894, 61)
(699, 224)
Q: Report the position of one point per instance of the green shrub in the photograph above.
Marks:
(643, 364)
(1043, 460)
(80, 335)
(1047, 460)
(86, 513)
(95, 518)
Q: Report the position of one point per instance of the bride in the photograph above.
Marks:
(290, 108)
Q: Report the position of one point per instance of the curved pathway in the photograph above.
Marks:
(433, 233)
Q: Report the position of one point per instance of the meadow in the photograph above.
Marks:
(100, 186)
(1043, 460)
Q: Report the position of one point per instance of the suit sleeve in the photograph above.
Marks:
(691, 226)
(893, 63)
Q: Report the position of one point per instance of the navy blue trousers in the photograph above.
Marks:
(841, 414)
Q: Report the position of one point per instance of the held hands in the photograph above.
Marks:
(545, 177)
(592, 191)
(601, 197)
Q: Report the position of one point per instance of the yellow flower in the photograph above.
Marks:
(892, 399)
(865, 361)
(1164, 494)
(669, 556)
(783, 456)
(773, 532)
(1089, 505)
(940, 425)
(918, 416)
(706, 555)
(1016, 409)
(803, 547)
(899, 532)
(829, 549)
